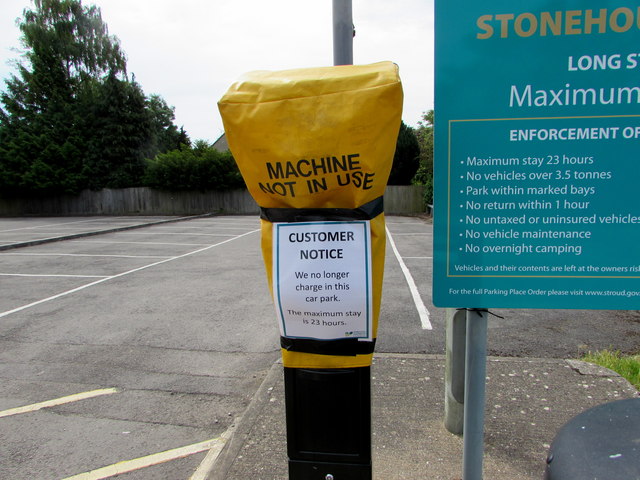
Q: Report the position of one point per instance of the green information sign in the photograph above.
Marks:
(537, 161)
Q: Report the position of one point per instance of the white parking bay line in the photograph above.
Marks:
(215, 444)
(54, 254)
(49, 225)
(417, 299)
(109, 242)
(184, 234)
(97, 282)
(50, 275)
(412, 234)
(57, 401)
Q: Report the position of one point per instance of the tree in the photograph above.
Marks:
(115, 158)
(71, 118)
(424, 175)
(165, 135)
(65, 35)
(405, 159)
(424, 133)
(43, 129)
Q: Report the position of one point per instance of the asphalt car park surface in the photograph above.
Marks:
(166, 325)
(166, 331)
(24, 232)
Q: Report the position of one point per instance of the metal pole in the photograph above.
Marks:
(456, 328)
(474, 394)
(342, 32)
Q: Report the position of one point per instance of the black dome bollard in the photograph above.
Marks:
(602, 443)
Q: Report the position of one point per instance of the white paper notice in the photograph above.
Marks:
(322, 279)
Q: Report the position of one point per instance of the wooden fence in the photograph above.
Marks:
(398, 200)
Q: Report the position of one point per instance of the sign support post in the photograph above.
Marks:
(474, 394)
(342, 32)
(454, 377)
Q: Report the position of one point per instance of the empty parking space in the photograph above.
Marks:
(409, 322)
(25, 231)
(62, 265)
(163, 317)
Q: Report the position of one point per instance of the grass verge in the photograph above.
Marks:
(627, 366)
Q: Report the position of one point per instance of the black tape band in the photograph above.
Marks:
(346, 347)
(365, 212)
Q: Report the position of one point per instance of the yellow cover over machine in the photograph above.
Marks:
(315, 147)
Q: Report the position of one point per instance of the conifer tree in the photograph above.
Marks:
(405, 159)
(71, 118)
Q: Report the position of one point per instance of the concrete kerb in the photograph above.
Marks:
(42, 241)
(245, 424)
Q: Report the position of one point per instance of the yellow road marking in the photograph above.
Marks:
(150, 460)
(203, 470)
(57, 401)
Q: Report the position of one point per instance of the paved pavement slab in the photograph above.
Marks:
(528, 400)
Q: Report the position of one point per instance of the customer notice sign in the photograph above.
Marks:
(322, 279)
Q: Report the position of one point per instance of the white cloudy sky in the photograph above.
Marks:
(190, 51)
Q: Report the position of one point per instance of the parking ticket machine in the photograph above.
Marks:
(315, 148)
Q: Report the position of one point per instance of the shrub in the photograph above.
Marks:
(199, 168)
